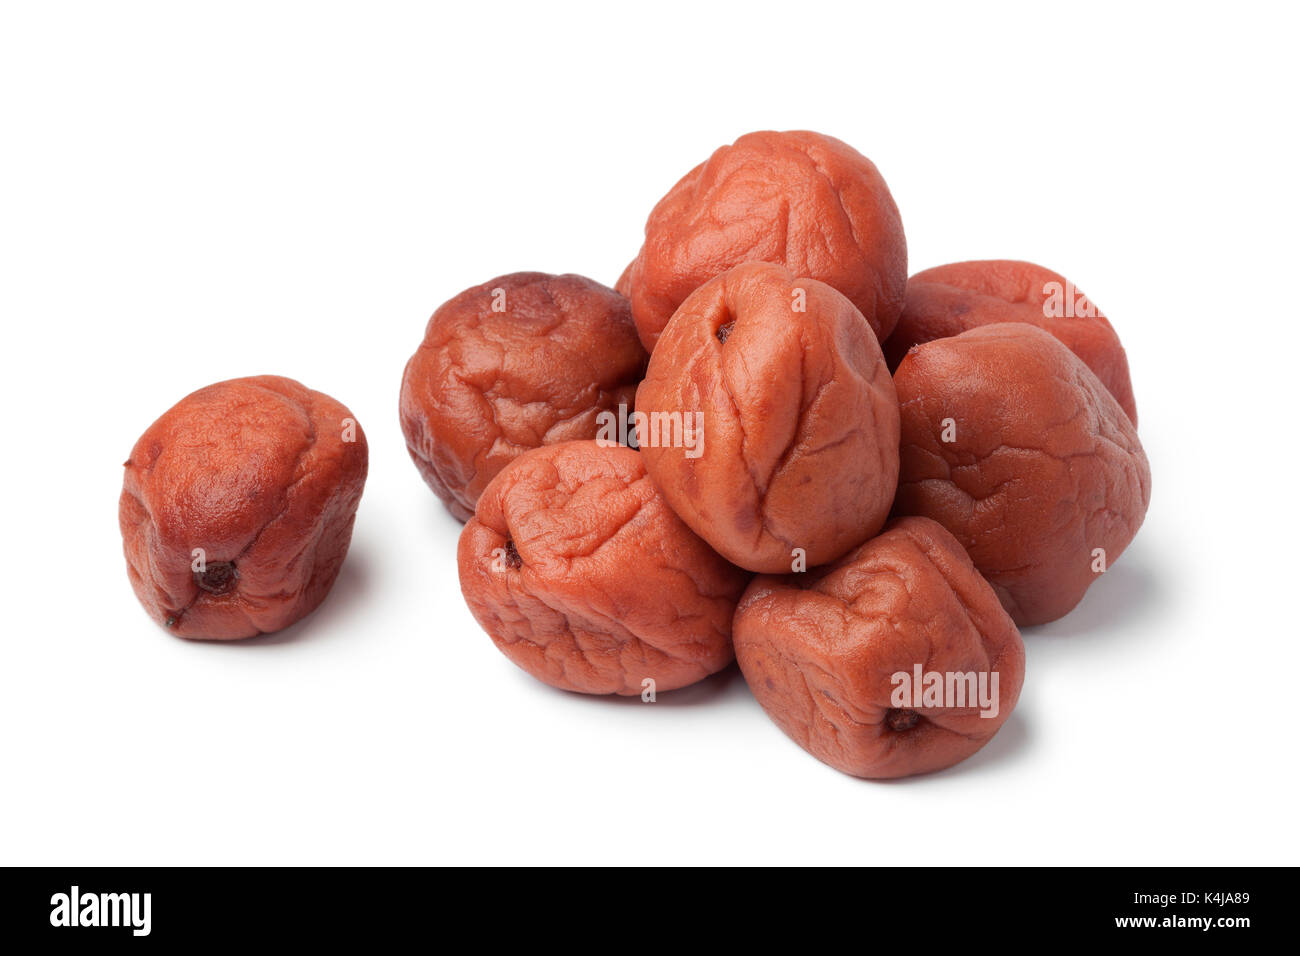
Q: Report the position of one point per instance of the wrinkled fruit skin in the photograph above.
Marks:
(264, 475)
(487, 385)
(582, 575)
(948, 300)
(820, 651)
(806, 201)
(1045, 466)
(799, 419)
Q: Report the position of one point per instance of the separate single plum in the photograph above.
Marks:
(237, 507)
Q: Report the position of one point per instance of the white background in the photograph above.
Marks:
(191, 195)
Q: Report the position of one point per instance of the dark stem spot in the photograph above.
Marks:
(725, 330)
(219, 578)
(513, 561)
(901, 719)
